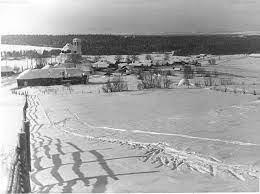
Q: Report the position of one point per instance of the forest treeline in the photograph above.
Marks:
(137, 44)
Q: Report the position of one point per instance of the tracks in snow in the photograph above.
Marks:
(164, 134)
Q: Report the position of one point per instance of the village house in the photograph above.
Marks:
(102, 64)
(52, 76)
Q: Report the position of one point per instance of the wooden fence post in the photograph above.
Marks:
(25, 108)
(19, 186)
(26, 130)
(25, 177)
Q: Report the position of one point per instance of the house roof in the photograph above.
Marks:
(49, 73)
(6, 69)
(76, 39)
(66, 65)
(67, 47)
(122, 64)
(84, 67)
(101, 64)
(136, 64)
(47, 67)
(81, 66)
(256, 55)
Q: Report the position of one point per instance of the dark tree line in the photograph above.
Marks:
(133, 45)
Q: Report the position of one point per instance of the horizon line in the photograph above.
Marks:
(246, 33)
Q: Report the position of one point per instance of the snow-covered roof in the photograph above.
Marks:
(177, 69)
(67, 47)
(256, 55)
(136, 64)
(122, 64)
(6, 69)
(76, 39)
(66, 65)
(101, 64)
(111, 61)
(47, 67)
(184, 82)
(84, 67)
(49, 73)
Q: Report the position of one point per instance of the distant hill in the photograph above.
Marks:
(136, 44)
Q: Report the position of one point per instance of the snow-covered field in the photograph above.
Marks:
(208, 123)
(9, 47)
(22, 63)
(224, 126)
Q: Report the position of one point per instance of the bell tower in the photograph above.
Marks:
(77, 46)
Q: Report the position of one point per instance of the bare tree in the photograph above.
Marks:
(188, 73)
(117, 84)
(166, 57)
(128, 59)
(134, 58)
(212, 61)
(97, 58)
(16, 69)
(118, 58)
(148, 57)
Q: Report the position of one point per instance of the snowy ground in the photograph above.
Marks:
(224, 126)
(11, 122)
(64, 159)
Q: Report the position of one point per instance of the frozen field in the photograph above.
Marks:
(225, 126)
(9, 47)
(210, 123)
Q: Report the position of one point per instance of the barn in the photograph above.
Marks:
(53, 76)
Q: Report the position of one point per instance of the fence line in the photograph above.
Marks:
(19, 175)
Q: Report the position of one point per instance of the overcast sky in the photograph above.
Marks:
(128, 16)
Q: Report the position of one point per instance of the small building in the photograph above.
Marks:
(6, 71)
(177, 68)
(53, 76)
(147, 63)
(120, 65)
(136, 65)
(103, 64)
(124, 69)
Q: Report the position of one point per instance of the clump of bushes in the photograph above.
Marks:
(209, 81)
(225, 81)
(212, 61)
(200, 70)
(117, 84)
(188, 72)
(152, 80)
(197, 83)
